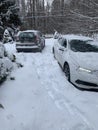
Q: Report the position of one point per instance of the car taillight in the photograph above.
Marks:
(17, 38)
(37, 39)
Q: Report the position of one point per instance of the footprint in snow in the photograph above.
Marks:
(1, 106)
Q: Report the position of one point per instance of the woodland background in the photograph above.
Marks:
(72, 16)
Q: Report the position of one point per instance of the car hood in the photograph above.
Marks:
(86, 60)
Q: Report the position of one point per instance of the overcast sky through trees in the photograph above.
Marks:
(49, 1)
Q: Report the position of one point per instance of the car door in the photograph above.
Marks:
(42, 39)
(57, 46)
(62, 51)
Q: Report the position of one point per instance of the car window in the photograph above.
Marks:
(64, 43)
(83, 46)
(26, 36)
(60, 41)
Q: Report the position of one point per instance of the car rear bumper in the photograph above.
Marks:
(28, 48)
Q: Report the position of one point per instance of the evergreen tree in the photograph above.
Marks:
(9, 14)
(75, 16)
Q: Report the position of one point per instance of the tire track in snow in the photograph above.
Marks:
(64, 104)
(73, 110)
(61, 101)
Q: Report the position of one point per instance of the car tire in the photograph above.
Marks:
(44, 44)
(17, 51)
(67, 71)
(53, 52)
(40, 50)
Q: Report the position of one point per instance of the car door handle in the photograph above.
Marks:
(61, 49)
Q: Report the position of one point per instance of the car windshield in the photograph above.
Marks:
(27, 36)
(83, 46)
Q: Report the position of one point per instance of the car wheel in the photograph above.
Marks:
(67, 71)
(40, 49)
(53, 52)
(44, 44)
(17, 51)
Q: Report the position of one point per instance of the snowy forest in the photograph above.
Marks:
(9, 15)
(65, 16)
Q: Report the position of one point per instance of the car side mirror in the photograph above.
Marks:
(63, 49)
(43, 36)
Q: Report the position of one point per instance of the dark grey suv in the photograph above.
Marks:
(30, 41)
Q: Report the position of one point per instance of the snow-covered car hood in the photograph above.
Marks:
(86, 60)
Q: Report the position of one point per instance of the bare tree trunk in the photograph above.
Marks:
(34, 20)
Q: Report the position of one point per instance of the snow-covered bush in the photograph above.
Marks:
(7, 36)
(56, 35)
(9, 17)
(2, 50)
(5, 63)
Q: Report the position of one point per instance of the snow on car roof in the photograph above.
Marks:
(30, 31)
(74, 37)
(70, 37)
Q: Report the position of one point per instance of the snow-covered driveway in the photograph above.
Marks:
(40, 98)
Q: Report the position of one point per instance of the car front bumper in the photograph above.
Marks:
(85, 80)
(28, 48)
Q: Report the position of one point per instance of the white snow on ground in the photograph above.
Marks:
(40, 97)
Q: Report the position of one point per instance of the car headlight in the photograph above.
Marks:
(84, 70)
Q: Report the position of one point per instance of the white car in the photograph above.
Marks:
(78, 57)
